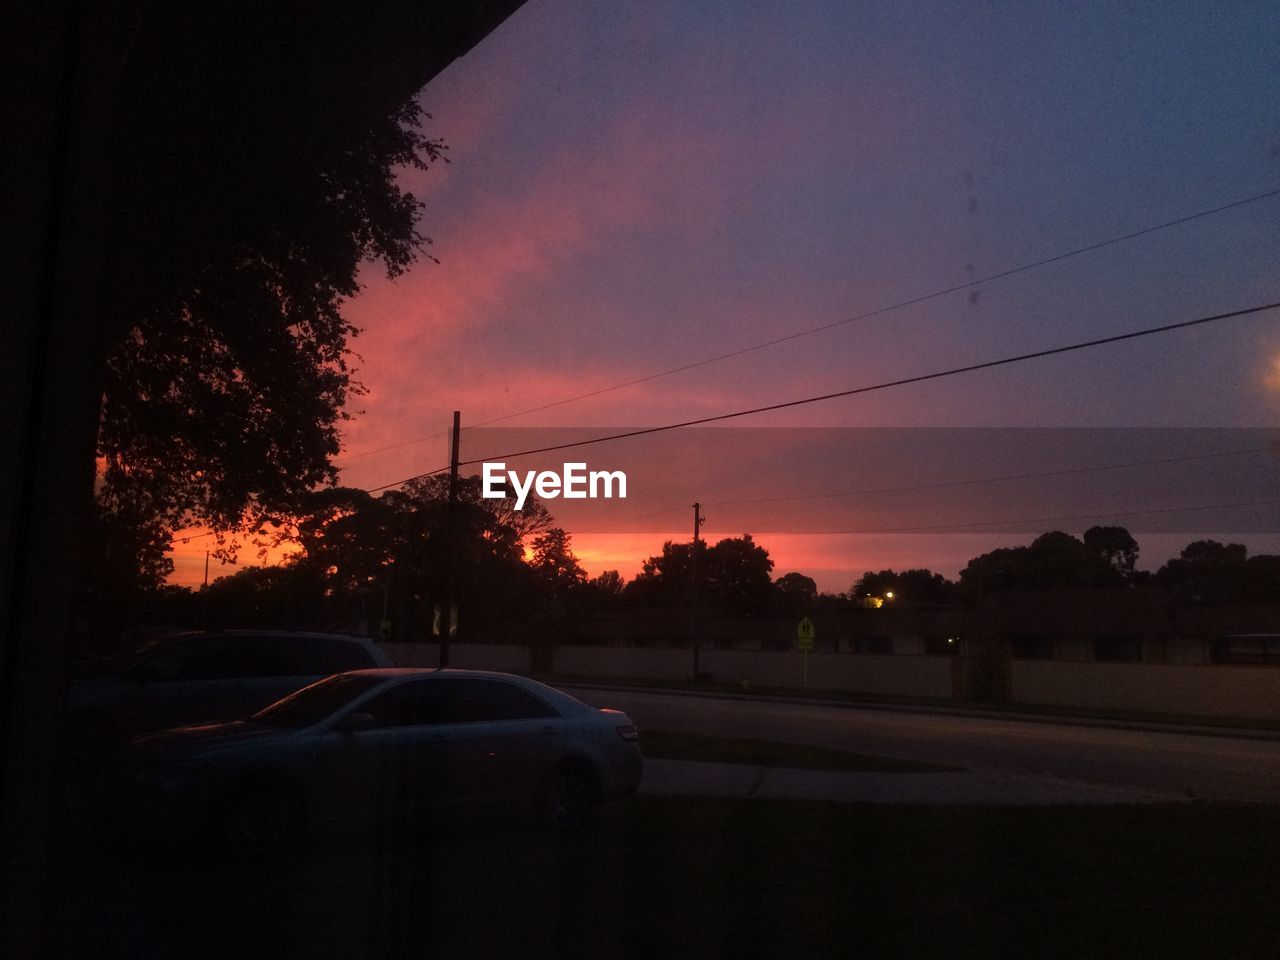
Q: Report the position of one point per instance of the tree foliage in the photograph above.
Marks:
(1054, 560)
(733, 576)
(908, 587)
(368, 554)
(230, 368)
(1211, 572)
(1115, 545)
(554, 564)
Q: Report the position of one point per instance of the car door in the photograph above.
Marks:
(400, 765)
(192, 681)
(501, 742)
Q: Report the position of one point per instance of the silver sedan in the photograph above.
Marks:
(384, 745)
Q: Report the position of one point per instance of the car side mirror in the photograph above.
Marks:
(355, 722)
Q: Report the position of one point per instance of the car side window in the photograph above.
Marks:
(409, 704)
(454, 700)
(497, 700)
(245, 657)
(199, 658)
(288, 656)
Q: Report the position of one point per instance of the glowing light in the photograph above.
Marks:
(1272, 379)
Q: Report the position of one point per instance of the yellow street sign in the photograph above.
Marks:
(805, 633)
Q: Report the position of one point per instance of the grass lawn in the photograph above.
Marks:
(663, 744)
(660, 877)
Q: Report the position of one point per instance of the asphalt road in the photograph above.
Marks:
(1175, 765)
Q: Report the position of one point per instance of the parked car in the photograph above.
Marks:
(202, 677)
(385, 746)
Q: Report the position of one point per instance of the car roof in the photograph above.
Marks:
(305, 634)
(166, 641)
(437, 672)
(566, 700)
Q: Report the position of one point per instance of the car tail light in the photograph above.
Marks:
(628, 731)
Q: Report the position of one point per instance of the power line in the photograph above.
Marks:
(940, 485)
(854, 391)
(643, 516)
(973, 481)
(420, 476)
(923, 298)
(394, 446)
(981, 480)
(1000, 275)
(920, 378)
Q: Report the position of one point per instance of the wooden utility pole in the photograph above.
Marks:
(446, 614)
(698, 520)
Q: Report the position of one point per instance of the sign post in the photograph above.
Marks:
(804, 641)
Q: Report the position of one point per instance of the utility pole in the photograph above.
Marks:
(206, 566)
(446, 615)
(698, 520)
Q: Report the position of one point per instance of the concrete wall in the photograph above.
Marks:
(503, 657)
(889, 675)
(642, 663)
(1176, 689)
(904, 676)
(1209, 691)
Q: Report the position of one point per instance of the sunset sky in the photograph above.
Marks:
(636, 187)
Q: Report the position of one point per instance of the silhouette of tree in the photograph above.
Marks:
(602, 594)
(733, 576)
(738, 575)
(1211, 553)
(1211, 572)
(1054, 560)
(129, 559)
(1115, 545)
(795, 593)
(280, 597)
(241, 221)
(665, 580)
(796, 585)
(1260, 582)
(367, 553)
(554, 564)
(907, 587)
(503, 519)
(609, 583)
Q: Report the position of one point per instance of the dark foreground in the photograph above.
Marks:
(663, 877)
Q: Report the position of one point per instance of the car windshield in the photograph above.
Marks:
(313, 703)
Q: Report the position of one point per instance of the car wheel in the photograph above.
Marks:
(256, 823)
(567, 800)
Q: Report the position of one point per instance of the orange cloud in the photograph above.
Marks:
(188, 554)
